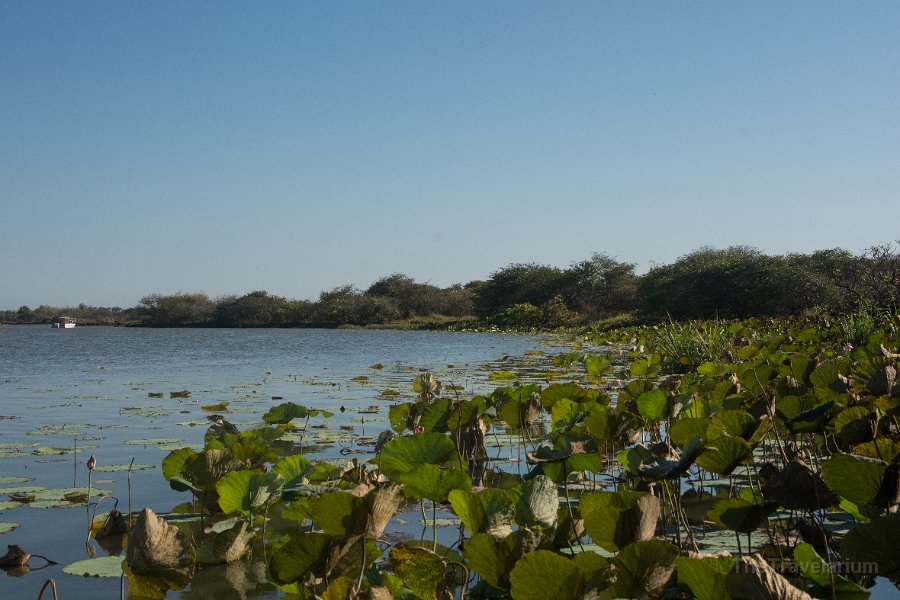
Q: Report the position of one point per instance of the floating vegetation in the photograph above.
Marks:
(153, 441)
(147, 411)
(7, 527)
(9, 480)
(67, 429)
(497, 375)
(220, 407)
(180, 394)
(51, 450)
(105, 566)
(631, 474)
(123, 467)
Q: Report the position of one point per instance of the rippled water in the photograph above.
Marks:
(90, 387)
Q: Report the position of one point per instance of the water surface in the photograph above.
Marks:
(88, 389)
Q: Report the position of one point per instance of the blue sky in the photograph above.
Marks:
(157, 147)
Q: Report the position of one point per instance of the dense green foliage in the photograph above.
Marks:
(736, 282)
(767, 467)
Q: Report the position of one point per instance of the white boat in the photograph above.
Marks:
(63, 322)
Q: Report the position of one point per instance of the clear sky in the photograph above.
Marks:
(157, 147)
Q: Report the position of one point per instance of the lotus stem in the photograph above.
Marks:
(131, 464)
(52, 584)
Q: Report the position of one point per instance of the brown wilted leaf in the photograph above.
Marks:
(753, 579)
(797, 487)
(157, 548)
(114, 525)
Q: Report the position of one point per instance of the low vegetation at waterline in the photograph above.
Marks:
(763, 465)
(736, 282)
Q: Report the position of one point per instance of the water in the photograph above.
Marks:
(90, 387)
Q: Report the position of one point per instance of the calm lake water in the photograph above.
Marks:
(89, 388)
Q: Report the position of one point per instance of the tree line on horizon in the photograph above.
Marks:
(734, 282)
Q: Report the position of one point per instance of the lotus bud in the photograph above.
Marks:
(92, 462)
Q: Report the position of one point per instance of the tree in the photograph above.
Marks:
(256, 309)
(520, 284)
(603, 285)
(177, 310)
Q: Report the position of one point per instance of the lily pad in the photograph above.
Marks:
(7, 527)
(106, 566)
(9, 480)
(123, 467)
(153, 441)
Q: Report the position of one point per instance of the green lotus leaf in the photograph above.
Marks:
(684, 430)
(724, 455)
(542, 574)
(559, 391)
(813, 420)
(293, 469)
(285, 413)
(714, 369)
(602, 424)
(737, 423)
(615, 527)
(594, 500)
(566, 414)
(872, 548)
(882, 448)
(645, 369)
(338, 588)
(434, 482)
(398, 416)
(643, 569)
(488, 511)
(813, 567)
(247, 491)
(305, 553)
(653, 405)
(632, 458)
(591, 563)
(705, 576)
(491, 558)
(435, 414)
(740, 515)
(106, 566)
(402, 455)
(597, 366)
(465, 413)
(339, 513)
(298, 509)
(854, 426)
(421, 570)
(855, 478)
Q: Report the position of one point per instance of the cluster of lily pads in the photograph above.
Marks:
(773, 471)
